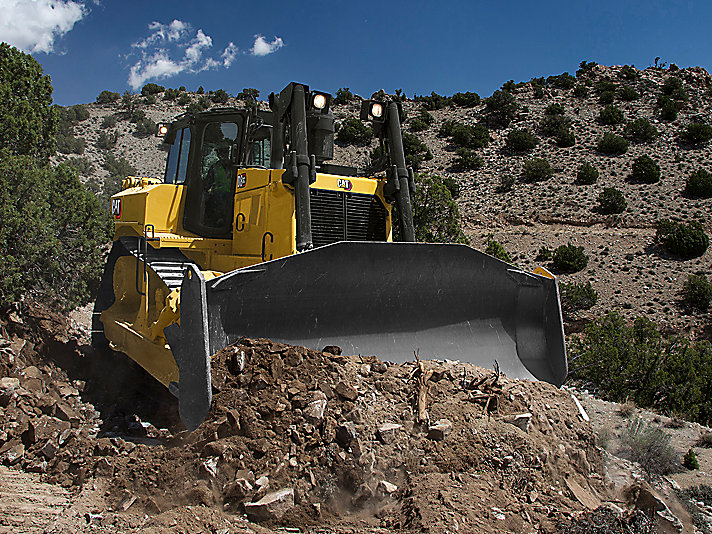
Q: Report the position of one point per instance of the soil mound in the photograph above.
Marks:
(303, 438)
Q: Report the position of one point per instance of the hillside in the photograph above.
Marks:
(627, 269)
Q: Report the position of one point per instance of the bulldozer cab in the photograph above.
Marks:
(203, 155)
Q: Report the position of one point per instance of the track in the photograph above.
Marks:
(27, 505)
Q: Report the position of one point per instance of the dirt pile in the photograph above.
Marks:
(305, 438)
(310, 440)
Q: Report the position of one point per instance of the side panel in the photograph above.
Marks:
(159, 205)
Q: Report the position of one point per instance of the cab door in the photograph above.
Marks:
(209, 207)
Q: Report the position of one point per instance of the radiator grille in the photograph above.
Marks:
(343, 216)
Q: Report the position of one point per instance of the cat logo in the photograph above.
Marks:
(343, 183)
(241, 181)
(116, 207)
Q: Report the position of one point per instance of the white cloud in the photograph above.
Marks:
(262, 47)
(174, 31)
(168, 40)
(172, 49)
(33, 25)
(229, 55)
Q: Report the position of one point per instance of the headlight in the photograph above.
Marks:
(319, 101)
(376, 110)
(162, 129)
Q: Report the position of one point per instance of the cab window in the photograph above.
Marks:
(178, 158)
(261, 152)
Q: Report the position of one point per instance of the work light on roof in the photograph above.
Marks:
(319, 101)
(376, 110)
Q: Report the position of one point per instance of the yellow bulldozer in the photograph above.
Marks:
(251, 232)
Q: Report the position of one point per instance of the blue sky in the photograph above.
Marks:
(92, 45)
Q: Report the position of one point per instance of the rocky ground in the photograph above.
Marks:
(306, 441)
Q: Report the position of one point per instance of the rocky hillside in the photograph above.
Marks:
(629, 271)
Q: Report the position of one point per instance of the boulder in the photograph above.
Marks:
(271, 506)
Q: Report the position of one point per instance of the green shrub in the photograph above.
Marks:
(650, 447)
(137, 115)
(128, 102)
(611, 115)
(183, 99)
(553, 125)
(434, 101)
(554, 109)
(640, 130)
(468, 159)
(606, 85)
(422, 121)
(343, 96)
(119, 169)
(683, 240)
(26, 115)
(354, 132)
(580, 91)
(68, 144)
(699, 184)
(537, 170)
(696, 133)
(452, 186)
(493, 248)
(80, 111)
(569, 258)
(52, 234)
(521, 141)
(565, 139)
(587, 174)
(620, 362)
(200, 90)
(606, 98)
(577, 296)
(674, 89)
(668, 108)
(506, 183)
(415, 150)
(107, 97)
(466, 100)
(465, 135)
(152, 89)
(645, 170)
(220, 96)
(562, 81)
(435, 214)
(697, 291)
(108, 122)
(501, 108)
(247, 93)
(612, 144)
(150, 100)
(690, 460)
(538, 91)
(82, 166)
(544, 254)
(107, 141)
(171, 94)
(585, 68)
(629, 73)
(628, 93)
(611, 201)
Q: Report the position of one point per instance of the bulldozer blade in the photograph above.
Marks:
(393, 299)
